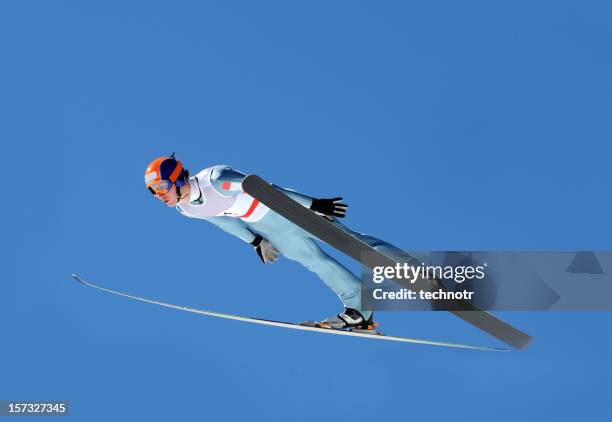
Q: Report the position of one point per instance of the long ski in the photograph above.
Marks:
(287, 324)
(370, 257)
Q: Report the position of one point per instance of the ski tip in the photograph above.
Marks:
(77, 278)
(251, 179)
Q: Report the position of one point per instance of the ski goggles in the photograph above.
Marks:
(160, 187)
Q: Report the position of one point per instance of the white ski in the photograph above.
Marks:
(290, 325)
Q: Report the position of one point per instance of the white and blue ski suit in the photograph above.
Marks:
(217, 196)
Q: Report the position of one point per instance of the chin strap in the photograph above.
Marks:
(178, 193)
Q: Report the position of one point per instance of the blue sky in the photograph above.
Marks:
(444, 125)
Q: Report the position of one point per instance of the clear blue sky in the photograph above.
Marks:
(445, 125)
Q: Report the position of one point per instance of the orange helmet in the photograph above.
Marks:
(164, 172)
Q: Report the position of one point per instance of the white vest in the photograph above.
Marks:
(205, 201)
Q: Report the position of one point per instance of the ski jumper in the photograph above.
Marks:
(217, 196)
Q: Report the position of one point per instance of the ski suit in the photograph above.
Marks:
(217, 196)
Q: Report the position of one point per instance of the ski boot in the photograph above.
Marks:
(350, 319)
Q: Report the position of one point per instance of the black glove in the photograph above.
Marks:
(265, 249)
(329, 207)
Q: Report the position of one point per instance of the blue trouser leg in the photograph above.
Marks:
(299, 245)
